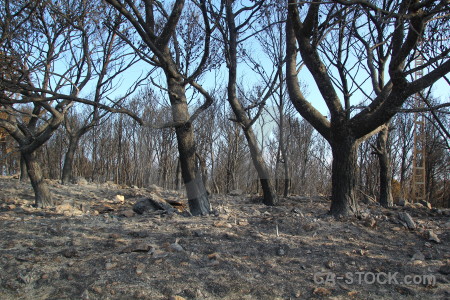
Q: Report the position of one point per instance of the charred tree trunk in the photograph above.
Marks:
(42, 194)
(67, 172)
(178, 177)
(195, 190)
(269, 193)
(23, 170)
(344, 176)
(385, 168)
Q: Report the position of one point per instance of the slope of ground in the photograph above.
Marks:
(93, 246)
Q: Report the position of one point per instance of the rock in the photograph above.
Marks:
(97, 289)
(281, 251)
(433, 237)
(176, 247)
(176, 298)
(296, 210)
(425, 203)
(445, 270)
(110, 266)
(310, 227)
(69, 253)
(231, 236)
(137, 247)
(152, 203)
(140, 267)
(418, 256)
(370, 222)
(330, 264)
(320, 291)
(405, 217)
(237, 192)
(242, 222)
(85, 295)
(222, 224)
(119, 199)
(127, 213)
(402, 202)
(64, 207)
(214, 255)
(104, 208)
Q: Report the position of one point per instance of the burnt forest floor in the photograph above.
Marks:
(92, 246)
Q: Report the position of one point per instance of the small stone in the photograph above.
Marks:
(213, 263)
(310, 227)
(445, 270)
(405, 290)
(64, 208)
(119, 199)
(418, 256)
(296, 210)
(320, 291)
(140, 267)
(330, 264)
(370, 222)
(114, 236)
(281, 252)
(242, 222)
(426, 204)
(405, 217)
(231, 236)
(177, 247)
(214, 255)
(222, 224)
(433, 237)
(176, 298)
(69, 253)
(127, 213)
(402, 202)
(85, 295)
(137, 247)
(110, 266)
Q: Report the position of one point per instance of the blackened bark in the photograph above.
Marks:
(42, 194)
(23, 170)
(178, 178)
(67, 172)
(385, 169)
(269, 194)
(195, 190)
(344, 177)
